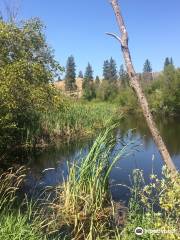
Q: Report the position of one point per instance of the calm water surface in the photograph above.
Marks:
(140, 155)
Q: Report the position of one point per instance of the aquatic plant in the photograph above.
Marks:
(83, 207)
(77, 119)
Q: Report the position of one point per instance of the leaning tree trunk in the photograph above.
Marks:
(134, 83)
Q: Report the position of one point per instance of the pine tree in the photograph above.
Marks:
(171, 61)
(97, 80)
(169, 71)
(112, 70)
(80, 75)
(70, 77)
(59, 79)
(147, 67)
(106, 73)
(168, 62)
(88, 85)
(147, 71)
(123, 76)
(88, 76)
(96, 84)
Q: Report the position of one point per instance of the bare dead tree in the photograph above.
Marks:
(135, 84)
(11, 10)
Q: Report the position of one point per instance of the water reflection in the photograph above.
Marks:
(141, 152)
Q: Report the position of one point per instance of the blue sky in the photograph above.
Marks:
(78, 27)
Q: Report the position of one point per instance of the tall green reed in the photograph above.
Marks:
(77, 118)
(84, 200)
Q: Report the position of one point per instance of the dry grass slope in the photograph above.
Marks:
(61, 86)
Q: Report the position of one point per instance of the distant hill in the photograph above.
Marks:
(61, 85)
(79, 81)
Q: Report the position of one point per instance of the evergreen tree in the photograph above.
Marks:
(88, 85)
(70, 77)
(167, 62)
(88, 76)
(112, 70)
(147, 67)
(147, 71)
(59, 79)
(171, 61)
(169, 71)
(97, 84)
(123, 76)
(106, 73)
(80, 75)
(97, 80)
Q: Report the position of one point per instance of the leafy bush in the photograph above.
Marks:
(27, 66)
(106, 91)
(127, 99)
(163, 93)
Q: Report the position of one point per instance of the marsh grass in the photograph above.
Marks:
(77, 119)
(10, 182)
(84, 207)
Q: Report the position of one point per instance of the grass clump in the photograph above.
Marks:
(16, 226)
(10, 182)
(83, 207)
(19, 219)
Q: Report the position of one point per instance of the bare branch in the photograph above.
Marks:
(115, 36)
(12, 8)
(136, 86)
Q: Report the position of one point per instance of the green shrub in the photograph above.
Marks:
(163, 93)
(106, 91)
(27, 66)
(126, 99)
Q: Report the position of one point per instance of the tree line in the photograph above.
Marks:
(112, 78)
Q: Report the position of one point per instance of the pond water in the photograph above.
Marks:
(143, 155)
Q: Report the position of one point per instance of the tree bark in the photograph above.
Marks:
(135, 84)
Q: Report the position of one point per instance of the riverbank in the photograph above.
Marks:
(68, 120)
(83, 207)
(78, 119)
(131, 128)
